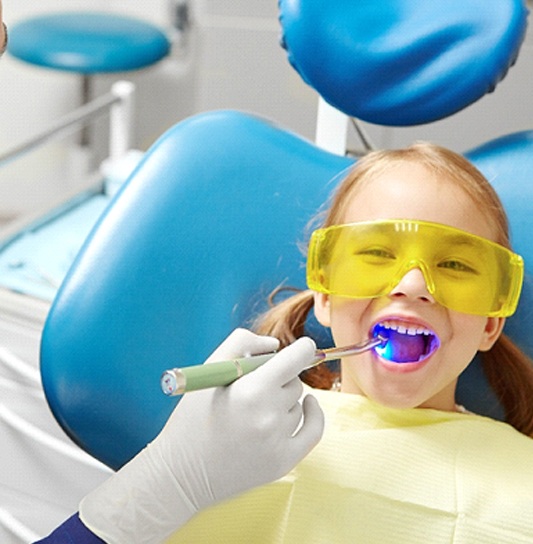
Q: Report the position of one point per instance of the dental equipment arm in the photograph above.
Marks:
(216, 444)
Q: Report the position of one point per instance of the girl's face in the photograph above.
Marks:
(409, 191)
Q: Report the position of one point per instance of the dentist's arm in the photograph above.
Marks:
(217, 444)
(71, 531)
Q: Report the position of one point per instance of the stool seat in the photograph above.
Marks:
(87, 42)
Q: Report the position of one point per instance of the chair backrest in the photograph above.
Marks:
(206, 228)
(210, 222)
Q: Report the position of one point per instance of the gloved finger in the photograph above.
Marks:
(293, 419)
(288, 363)
(310, 431)
(290, 394)
(241, 343)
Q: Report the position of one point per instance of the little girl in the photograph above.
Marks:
(415, 250)
(436, 185)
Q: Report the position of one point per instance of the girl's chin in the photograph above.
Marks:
(391, 384)
(397, 401)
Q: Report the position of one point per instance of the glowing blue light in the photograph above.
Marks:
(385, 351)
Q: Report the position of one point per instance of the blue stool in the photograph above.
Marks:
(87, 43)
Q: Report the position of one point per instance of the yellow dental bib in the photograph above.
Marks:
(386, 476)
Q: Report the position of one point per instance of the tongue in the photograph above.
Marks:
(405, 348)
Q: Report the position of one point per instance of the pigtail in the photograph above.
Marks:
(286, 321)
(510, 374)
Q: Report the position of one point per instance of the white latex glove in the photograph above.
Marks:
(216, 444)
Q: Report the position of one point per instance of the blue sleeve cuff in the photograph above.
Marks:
(72, 532)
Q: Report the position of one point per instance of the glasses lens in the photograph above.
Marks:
(463, 272)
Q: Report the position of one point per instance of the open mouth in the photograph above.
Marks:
(406, 343)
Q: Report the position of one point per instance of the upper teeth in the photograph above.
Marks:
(404, 329)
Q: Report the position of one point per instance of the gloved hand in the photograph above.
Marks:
(216, 444)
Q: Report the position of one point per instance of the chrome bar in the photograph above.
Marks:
(68, 123)
(368, 144)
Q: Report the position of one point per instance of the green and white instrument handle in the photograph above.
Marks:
(178, 381)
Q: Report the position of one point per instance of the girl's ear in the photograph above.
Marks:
(322, 308)
(492, 331)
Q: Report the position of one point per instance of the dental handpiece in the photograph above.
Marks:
(178, 381)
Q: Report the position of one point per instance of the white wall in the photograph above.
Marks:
(234, 61)
(32, 97)
(243, 66)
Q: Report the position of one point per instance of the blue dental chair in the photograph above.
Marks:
(211, 220)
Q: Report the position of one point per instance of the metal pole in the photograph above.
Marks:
(69, 123)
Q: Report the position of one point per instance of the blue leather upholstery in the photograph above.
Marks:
(402, 62)
(87, 42)
(205, 229)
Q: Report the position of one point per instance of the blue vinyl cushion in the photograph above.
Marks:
(204, 230)
(402, 62)
(87, 42)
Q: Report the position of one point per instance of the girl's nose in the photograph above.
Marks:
(413, 285)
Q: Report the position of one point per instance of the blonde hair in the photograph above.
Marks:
(513, 386)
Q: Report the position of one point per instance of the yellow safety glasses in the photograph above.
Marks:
(463, 272)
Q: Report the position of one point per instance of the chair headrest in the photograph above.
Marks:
(402, 62)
